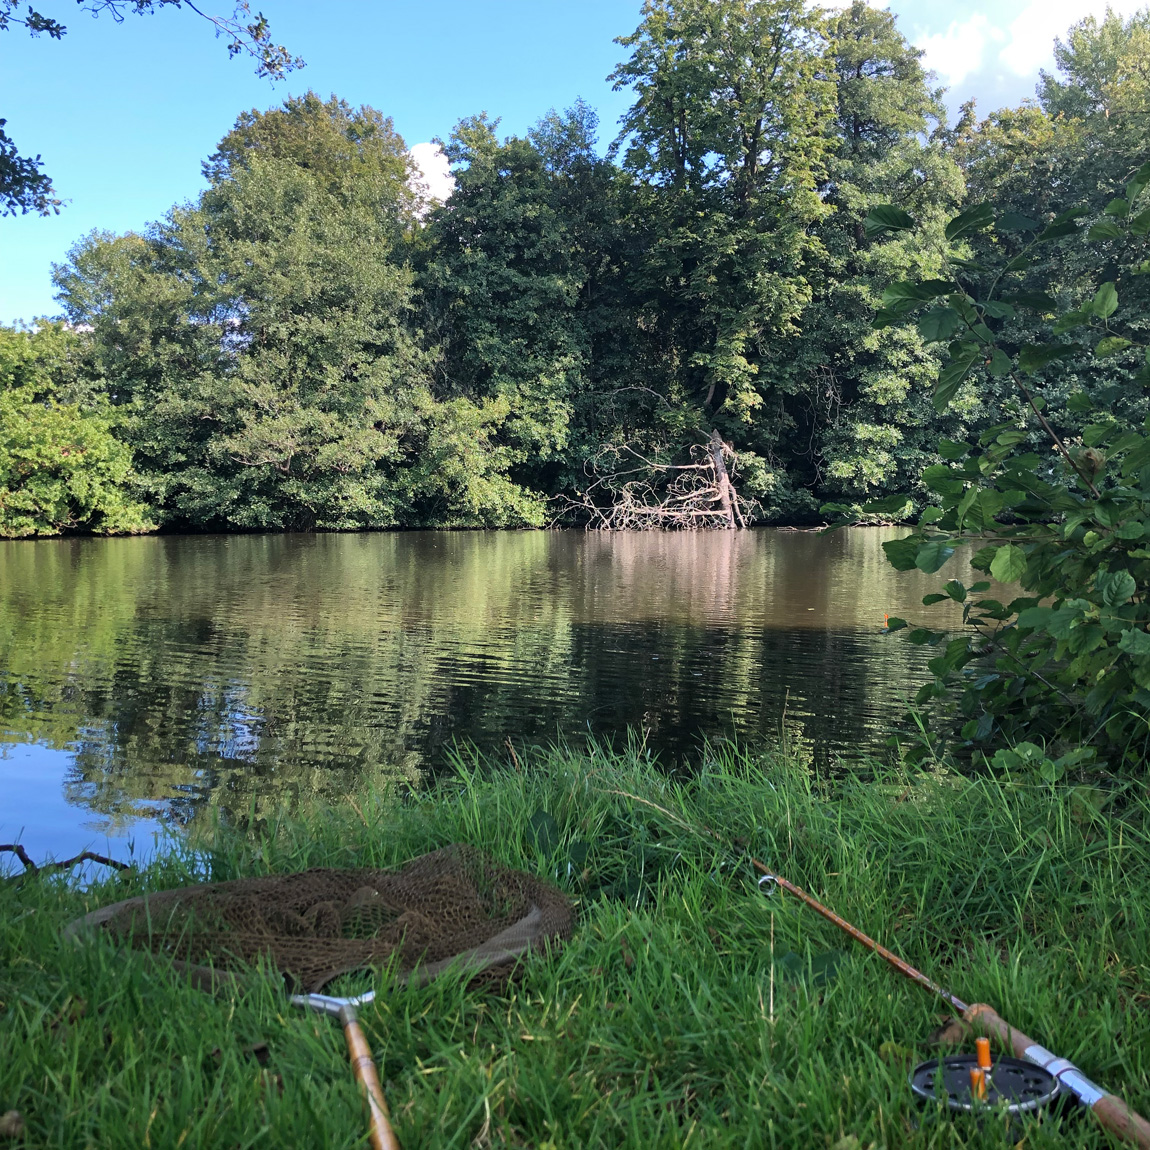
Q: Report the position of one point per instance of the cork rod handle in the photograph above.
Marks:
(1109, 1109)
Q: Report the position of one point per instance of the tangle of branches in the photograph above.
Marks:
(631, 492)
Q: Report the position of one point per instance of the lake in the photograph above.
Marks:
(144, 679)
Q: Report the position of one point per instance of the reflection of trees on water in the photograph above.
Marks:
(243, 669)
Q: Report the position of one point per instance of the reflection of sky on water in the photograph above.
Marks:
(43, 808)
(144, 680)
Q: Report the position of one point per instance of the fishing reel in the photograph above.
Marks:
(977, 1083)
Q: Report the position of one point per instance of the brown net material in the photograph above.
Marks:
(451, 907)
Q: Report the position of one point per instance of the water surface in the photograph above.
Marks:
(141, 679)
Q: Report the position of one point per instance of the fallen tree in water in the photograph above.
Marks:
(631, 492)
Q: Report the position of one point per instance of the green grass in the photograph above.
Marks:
(653, 1026)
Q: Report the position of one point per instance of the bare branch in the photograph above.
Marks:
(84, 856)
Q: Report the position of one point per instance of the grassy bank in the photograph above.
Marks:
(654, 1026)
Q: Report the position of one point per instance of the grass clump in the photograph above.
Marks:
(657, 1024)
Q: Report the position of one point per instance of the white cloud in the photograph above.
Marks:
(1031, 35)
(437, 181)
(958, 52)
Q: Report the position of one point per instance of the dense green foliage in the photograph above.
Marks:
(1045, 318)
(61, 468)
(1068, 662)
(307, 346)
(688, 1009)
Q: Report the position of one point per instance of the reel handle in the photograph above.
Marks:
(1109, 1109)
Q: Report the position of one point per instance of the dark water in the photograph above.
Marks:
(141, 679)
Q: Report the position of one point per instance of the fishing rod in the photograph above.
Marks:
(1110, 1110)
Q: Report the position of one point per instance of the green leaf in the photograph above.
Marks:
(996, 309)
(920, 292)
(1137, 459)
(938, 477)
(1009, 564)
(1110, 345)
(1136, 186)
(1034, 357)
(890, 505)
(1015, 222)
(1000, 364)
(901, 553)
(888, 317)
(951, 377)
(1135, 642)
(966, 503)
(950, 449)
(1039, 301)
(982, 558)
(894, 623)
(886, 218)
(1057, 230)
(1105, 301)
(955, 590)
(1094, 433)
(1104, 230)
(1073, 319)
(930, 600)
(1035, 617)
(1118, 207)
(931, 556)
(1115, 587)
(1140, 224)
(940, 323)
(1079, 401)
(972, 220)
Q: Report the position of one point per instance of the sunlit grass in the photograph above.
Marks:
(654, 1025)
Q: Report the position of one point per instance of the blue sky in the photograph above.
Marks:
(123, 114)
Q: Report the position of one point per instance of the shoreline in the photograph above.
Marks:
(653, 1025)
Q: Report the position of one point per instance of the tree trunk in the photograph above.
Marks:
(722, 480)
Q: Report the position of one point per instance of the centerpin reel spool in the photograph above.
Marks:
(975, 1082)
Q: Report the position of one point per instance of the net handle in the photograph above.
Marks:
(380, 1132)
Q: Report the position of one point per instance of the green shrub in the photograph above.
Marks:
(1056, 495)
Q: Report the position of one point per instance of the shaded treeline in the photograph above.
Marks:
(308, 346)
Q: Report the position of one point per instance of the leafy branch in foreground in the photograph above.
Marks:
(23, 186)
(1062, 671)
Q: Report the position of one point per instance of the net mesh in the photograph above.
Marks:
(312, 926)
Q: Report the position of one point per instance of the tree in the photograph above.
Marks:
(727, 137)
(853, 420)
(262, 351)
(258, 341)
(61, 468)
(505, 269)
(23, 186)
(1075, 150)
(352, 154)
